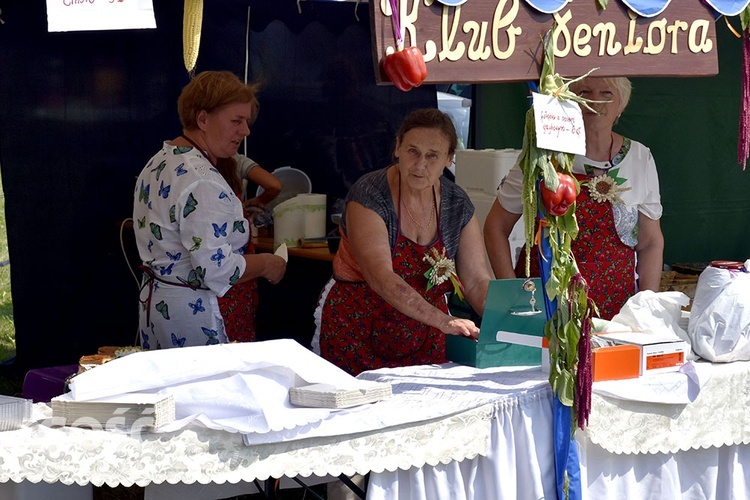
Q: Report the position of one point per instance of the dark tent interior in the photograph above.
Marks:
(82, 112)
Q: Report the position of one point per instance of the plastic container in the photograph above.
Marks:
(293, 182)
(728, 264)
(13, 412)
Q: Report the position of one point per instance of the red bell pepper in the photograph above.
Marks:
(406, 68)
(557, 202)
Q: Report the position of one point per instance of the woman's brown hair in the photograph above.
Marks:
(209, 91)
(430, 118)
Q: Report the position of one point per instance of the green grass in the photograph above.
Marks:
(9, 385)
(7, 328)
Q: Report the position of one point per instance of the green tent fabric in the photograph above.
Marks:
(691, 126)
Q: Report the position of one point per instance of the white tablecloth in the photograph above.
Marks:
(519, 464)
(498, 446)
(718, 416)
(709, 440)
(696, 474)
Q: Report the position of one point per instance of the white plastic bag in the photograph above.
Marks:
(654, 312)
(719, 325)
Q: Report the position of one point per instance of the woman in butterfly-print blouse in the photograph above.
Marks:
(189, 225)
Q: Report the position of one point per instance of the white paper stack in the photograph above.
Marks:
(329, 396)
(124, 410)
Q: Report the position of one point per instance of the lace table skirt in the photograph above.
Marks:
(498, 441)
(197, 454)
(719, 416)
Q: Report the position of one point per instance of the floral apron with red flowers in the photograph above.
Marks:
(604, 260)
(238, 306)
(361, 331)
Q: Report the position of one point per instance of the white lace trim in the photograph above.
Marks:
(718, 417)
(318, 316)
(197, 454)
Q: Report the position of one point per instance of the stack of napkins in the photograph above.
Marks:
(330, 396)
(123, 410)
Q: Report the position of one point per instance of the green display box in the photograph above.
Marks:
(507, 310)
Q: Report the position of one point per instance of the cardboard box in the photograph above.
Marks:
(616, 362)
(510, 333)
(658, 353)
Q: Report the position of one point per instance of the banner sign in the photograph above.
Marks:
(95, 15)
(501, 40)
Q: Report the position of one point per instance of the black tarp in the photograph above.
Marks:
(82, 112)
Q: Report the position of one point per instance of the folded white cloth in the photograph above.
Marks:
(241, 387)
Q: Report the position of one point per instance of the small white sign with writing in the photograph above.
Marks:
(99, 15)
(559, 125)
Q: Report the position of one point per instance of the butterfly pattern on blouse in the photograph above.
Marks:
(197, 306)
(163, 308)
(144, 192)
(174, 257)
(159, 169)
(155, 230)
(178, 150)
(178, 342)
(166, 270)
(172, 217)
(196, 243)
(223, 196)
(218, 257)
(211, 334)
(180, 169)
(219, 231)
(144, 341)
(235, 276)
(195, 277)
(239, 226)
(164, 190)
(142, 222)
(190, 205)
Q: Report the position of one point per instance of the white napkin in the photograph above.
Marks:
(282, 252)
(680, 387)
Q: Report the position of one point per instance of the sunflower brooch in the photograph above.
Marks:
(442, 269)
(605, 188)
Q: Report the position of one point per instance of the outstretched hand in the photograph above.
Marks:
(461, 327)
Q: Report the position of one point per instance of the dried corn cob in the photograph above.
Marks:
(191, 32)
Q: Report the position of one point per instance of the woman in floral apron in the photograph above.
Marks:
(409, 238)
(619, 248)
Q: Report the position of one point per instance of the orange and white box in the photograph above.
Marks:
(614, 362)
(659, 353)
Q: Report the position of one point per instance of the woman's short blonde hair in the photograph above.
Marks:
(622, 86)
(211, 90)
